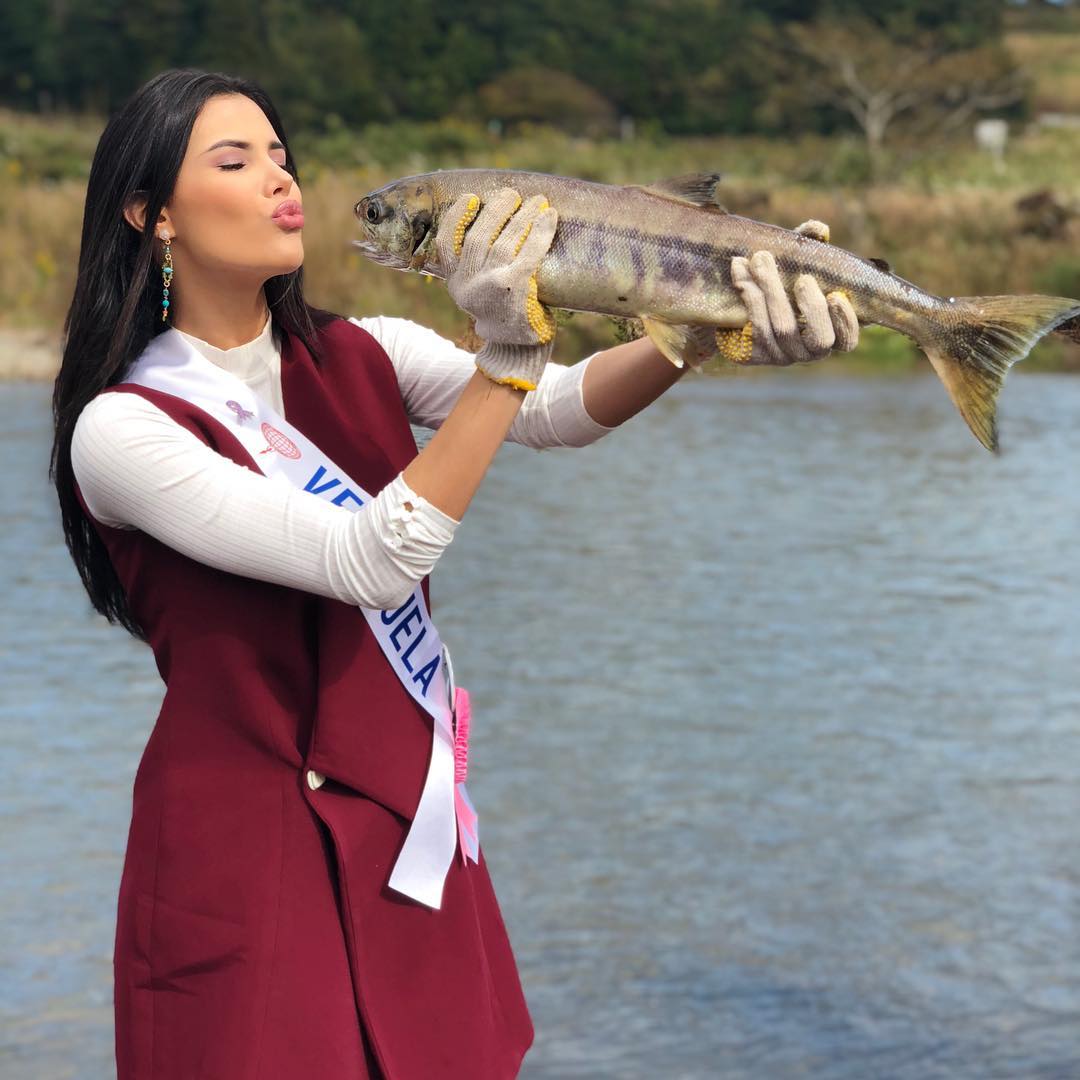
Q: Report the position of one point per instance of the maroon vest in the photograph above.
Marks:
(228, 912)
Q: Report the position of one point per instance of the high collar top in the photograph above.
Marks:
(249, 361)
(256, 363)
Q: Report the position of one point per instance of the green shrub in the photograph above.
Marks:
(1060, 277)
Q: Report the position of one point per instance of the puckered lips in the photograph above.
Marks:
(288, 215)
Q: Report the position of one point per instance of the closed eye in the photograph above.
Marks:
(234, 165)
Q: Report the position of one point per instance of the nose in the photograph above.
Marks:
(281, 178)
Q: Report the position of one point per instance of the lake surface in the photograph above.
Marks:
(786, 779)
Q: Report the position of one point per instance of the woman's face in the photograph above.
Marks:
(225, 195)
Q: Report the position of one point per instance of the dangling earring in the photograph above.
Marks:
(166, 277)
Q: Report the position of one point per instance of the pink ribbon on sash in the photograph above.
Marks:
(468, 830)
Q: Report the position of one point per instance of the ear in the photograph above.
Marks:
(135, 214)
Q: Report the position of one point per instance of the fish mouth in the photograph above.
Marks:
(380, 255)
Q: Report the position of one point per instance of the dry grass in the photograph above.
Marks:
(1053, 62)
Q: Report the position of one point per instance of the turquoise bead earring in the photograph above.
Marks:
(166, 277)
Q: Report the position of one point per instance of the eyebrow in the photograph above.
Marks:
(241, 145)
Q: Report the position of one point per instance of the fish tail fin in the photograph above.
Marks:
(973, 354)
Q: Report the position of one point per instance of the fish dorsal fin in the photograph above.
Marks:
(673, 341)
(881, 264)
(697, 189)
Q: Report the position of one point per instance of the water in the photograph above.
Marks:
(785, 780)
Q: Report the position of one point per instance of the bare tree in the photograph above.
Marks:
(882, 82)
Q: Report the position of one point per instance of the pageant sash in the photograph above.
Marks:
(407, 636)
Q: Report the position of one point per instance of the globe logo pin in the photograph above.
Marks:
(279, 441)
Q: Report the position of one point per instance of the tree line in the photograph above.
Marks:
(684, 66)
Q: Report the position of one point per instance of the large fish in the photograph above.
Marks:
(663, 254)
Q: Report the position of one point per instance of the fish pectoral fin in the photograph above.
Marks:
(675, 342)
(697, 189)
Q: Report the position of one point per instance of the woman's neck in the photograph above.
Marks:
(222, 318)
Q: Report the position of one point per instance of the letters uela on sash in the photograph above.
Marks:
(407, 636)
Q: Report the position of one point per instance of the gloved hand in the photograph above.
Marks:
(773, 336)
(489, 258)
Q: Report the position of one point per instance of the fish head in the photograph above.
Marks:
(398, 223)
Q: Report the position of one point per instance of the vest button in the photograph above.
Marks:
(315, 779)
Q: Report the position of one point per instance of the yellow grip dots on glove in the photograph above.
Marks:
(736, 345)
(472, 208)
(540, 319)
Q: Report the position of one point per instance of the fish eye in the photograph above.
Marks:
(372, 212)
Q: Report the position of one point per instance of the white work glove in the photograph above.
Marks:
(489, 257)
(773, 334)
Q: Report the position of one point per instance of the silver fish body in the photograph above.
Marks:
(663, 254)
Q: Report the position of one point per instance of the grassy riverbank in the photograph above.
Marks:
(947, 219)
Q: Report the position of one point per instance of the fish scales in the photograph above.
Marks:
(663, 253)
(604, 244)
(685, 251)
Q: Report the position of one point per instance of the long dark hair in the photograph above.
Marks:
(115, 309)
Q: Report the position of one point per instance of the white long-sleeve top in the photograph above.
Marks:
(138, 469)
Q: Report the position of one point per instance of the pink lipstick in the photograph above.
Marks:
(288, 215)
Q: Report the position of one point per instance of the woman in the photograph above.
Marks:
(273, 919)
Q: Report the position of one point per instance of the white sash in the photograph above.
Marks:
(408, 637)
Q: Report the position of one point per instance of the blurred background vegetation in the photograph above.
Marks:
(861, 114)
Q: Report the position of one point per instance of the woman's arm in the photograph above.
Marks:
(619, 382)
(432, 371)
(448, 471)
(137, 468)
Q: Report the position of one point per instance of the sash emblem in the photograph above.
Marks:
(242, 414)
(279, 441)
